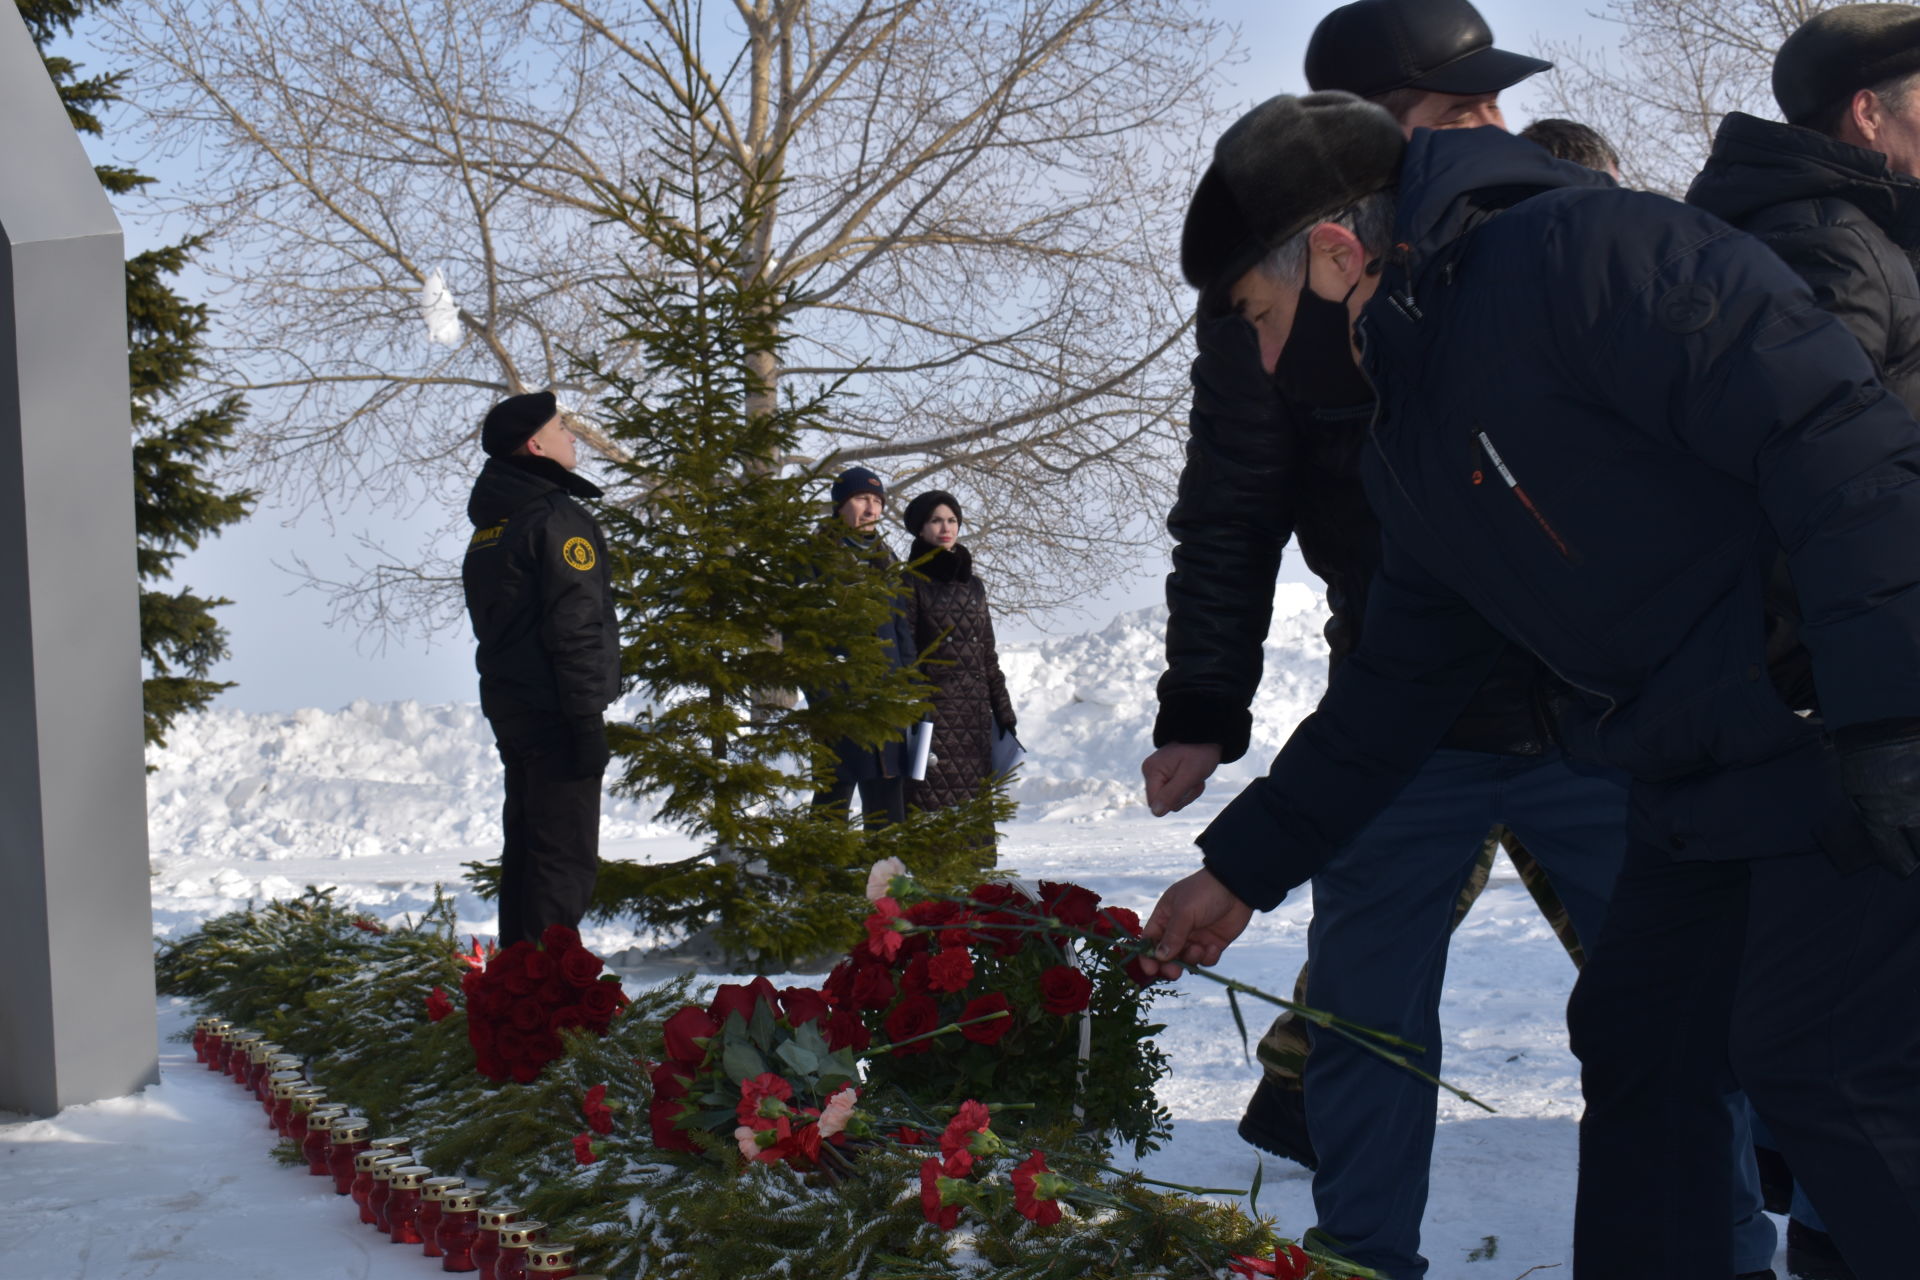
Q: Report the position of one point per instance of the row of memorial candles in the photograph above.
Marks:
(396, 1195)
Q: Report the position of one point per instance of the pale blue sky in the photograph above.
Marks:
(285, 656)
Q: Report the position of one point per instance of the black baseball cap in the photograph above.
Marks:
(1372, 47)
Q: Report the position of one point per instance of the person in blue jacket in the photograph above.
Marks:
(1601, 417)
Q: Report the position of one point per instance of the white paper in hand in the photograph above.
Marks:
(919, 747)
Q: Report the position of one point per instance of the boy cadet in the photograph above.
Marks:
(549, 658)
(1601, 417)
(1270, 457)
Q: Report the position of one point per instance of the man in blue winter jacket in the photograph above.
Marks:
(1601, 418)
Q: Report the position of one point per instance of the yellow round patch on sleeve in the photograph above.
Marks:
(578, 552)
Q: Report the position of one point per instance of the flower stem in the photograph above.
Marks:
(877, 1049)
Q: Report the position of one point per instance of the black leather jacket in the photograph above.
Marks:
(1258, 473)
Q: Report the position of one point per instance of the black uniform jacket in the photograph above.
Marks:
(539, 594)
(1602, 417)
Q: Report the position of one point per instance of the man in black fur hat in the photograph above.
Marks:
(1601, 418)
(541, 601)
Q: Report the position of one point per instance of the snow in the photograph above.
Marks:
(386, 801)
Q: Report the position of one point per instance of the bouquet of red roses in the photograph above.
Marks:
(520, 1001)
(1049, 1003)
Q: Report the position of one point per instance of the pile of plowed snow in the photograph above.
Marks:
(399, 777)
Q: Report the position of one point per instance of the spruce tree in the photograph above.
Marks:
(175, 503)
(731, 585)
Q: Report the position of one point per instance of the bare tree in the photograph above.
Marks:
(1679, 67)
(977, 199)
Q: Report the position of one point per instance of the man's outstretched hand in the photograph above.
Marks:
(1177, 773)
(1193, 922)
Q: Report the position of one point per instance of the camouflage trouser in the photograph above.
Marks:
(1283, 1050)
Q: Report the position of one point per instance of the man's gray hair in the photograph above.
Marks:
(1371, 221)
(1893, 94)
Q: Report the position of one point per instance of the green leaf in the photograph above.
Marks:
(804, 1061)
(1259, 1177)
(761, 1029)
(1239, 1020)
(742, 1062)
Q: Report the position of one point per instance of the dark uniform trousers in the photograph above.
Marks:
(1779, 976)
(882, 800)
(550, 856)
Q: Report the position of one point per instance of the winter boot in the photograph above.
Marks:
(1276, 1122)
(1776, 1180)
(1811, 1254)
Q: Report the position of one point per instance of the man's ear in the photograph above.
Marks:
(1339, 248)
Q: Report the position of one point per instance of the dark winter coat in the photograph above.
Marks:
(539, 594)
(1840, 218)
(951, 627)
(1602, 417)
(1260, 470)
(856, 763)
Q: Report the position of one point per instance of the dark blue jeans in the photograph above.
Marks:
(1377, 951)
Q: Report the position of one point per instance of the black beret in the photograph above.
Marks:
(1837, 53)
(510, 423)
(1278, 169)
(920, 510)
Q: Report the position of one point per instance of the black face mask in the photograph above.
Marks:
(1316, 366)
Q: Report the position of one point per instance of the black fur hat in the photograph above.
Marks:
(1277, 169)
(1835, 54)
(920, 510)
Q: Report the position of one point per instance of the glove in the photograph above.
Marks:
(589, 748)
(1883, 779)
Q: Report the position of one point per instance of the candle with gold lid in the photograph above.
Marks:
(200, 1025)
(393, 1144)
(433, 1192)
(486, 1246)
(362, 1185)
(217, 1031)
(550, 1259)
(382, 1189)
(257, 1068)
(239, 1046)
(317, 1146)
(280, 1087)
(459, 1226)
(403, 1206)
(515, 1238)
(349, 1139)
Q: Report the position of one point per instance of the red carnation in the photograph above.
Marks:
(1033, 1201)
(669, 1100)
(1070, 904)
(910, 1136)
(1290, 1263)
(873, 987)
(594, 1107)
(986, 1032)
(802, 1144)
(883, 940)
(579, 966)
(945, 1217)
(438, 1006)
(559, 938)
(958, 1164)
(762, 1087)
(1065, 990)
(972, 1117)
(583, 1148)
(951, 970)
(914, 1016)
(803, 1005)
(685, 1032)
(846, 1030)
(913, 979)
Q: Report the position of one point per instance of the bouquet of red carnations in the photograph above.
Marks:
(520, 999)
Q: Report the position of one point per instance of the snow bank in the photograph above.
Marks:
(383, 779)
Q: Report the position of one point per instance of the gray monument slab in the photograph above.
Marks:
(76, 951)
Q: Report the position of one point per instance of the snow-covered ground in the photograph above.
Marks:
(386, 801)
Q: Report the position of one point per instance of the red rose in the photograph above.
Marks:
(1043, 1211)
(525, 1072)
(1112, 920)
(568, 1015)
(583, 1148)
(1139, 974)
(945, 1217)
(544, 1046)
(510, 1042)
(579, 966)
(553, 990)
(934, 915)
(914, 1016)
(1070, 904)
(601, 999)
(540, 966)
(491, 1003)
(846, 1030)
(951, 970)
(480, 1035)
(986, 1032)
(686, 1031)
(669, 1100)
(838, 988)
(733, 998)
(557, 938)
(873, 988)
(527, 1014)
(438, 1006)
(471, 982)
(959, 934)
(913, 981)
(1000, 895)
(803, 1005)
(491, 1066)
(517, 981)
(1065, 990)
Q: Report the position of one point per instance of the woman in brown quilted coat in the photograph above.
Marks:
(947, 615)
